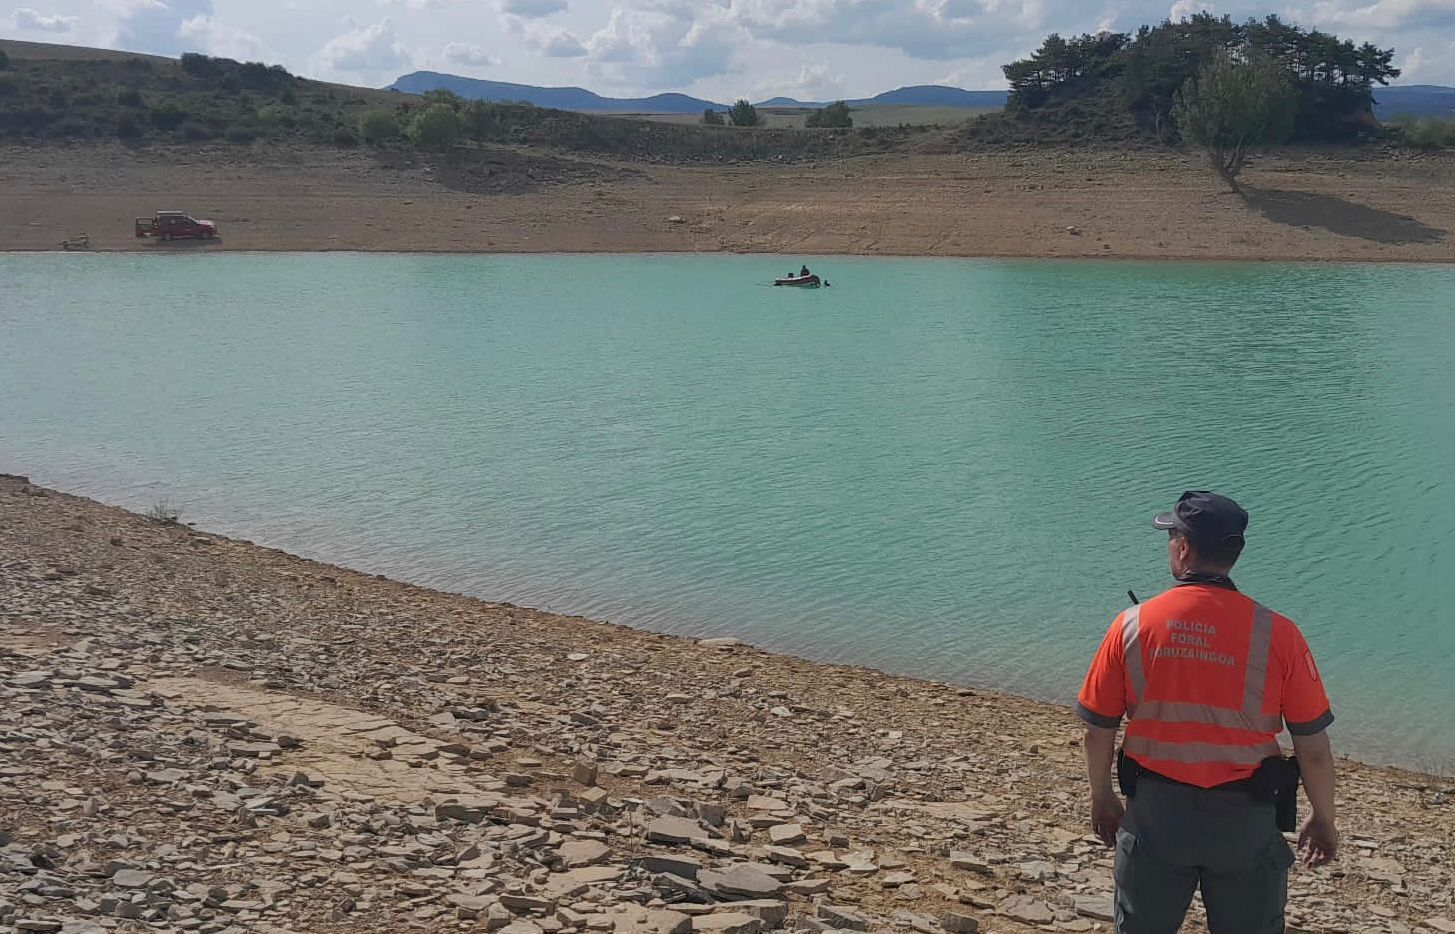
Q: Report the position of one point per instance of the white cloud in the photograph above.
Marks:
(1382, 15)
(208, 35)
(533, 9)
(28, 19)
(663, 44)
(1431, 64)
(461, 53)
(155, 26)
(1184, 9)
(368, 52)
(928, 29)
(549, 41)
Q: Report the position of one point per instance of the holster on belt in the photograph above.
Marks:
(1127, 773)
(1276, 779)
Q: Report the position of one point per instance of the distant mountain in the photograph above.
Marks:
(935, 95)
(578, 99)
(1416, 100)
(581, 99)
(1423, 100)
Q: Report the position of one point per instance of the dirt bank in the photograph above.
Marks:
(1338, 205)
(202, 734)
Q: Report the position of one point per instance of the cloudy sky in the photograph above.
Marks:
(720, 49)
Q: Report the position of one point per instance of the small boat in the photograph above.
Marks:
(800, 282)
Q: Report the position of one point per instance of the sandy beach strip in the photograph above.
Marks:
(1329, 205)
(211, 734)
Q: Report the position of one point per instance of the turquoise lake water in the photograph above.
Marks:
(941, 468)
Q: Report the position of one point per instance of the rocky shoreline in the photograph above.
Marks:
(203, 735)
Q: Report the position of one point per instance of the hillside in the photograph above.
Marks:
(55, 93)
(1415, 100)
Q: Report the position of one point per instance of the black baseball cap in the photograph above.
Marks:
(1205, 518)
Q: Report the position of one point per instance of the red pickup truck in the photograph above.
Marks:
(174, 225)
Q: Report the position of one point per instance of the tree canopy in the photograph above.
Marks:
(835, 116)
(1333, 79)
(744, 114)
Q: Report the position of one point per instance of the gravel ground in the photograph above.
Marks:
(200, 734)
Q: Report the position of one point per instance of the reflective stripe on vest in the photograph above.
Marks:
(1249, 717)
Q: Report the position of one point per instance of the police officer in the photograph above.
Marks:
(1207, 678)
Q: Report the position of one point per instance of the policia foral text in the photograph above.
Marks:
(1207, 678)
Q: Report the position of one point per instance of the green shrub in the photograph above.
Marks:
(711, 117)
(129, 97)
(4, 61)
(167, 117)
(345, 138)
(834, 116)
(378, 126)
(8, 87)
(197, 132)
(744, 114)
(1427, 133)
(437, 127)
(240, 134)
(128, 126)
(71, 128)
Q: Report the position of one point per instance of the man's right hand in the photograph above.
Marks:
(1318, 841)
(1106, 816)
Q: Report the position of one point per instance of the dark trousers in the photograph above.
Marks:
(1176, 838)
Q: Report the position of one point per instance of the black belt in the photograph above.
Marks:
(1274, 782)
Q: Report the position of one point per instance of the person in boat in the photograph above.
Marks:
(803, 273)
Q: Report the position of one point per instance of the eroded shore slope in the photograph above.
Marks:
(1336, 205)
(200, 734)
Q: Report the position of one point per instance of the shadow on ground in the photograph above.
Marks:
(1346, 218)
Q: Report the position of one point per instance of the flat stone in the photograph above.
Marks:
(575, 881)
(765, 803)
(719, 643)
(37, 925)
(675, 830)
(787, 855)
(896, 879)
(584, 852)
(837, 916)
(165, 776)
(742, 881)
(808, 887)
(254, 750)
(1099, 907)
(962, 860)
(470, 810)
(727, 922)
(469, 907)
(684, 866)
(771, 911)
(786, 834)
(524, 903)
(1443, 925)
(584, 772)
(638, 920)
(957, 923)
(31, 680)
(1027, 909)
(132, 878)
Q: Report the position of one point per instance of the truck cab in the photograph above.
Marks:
(175, 225)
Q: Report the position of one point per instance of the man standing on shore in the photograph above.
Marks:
(1208, 678)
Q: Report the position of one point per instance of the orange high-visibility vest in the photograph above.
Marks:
(1208, 678)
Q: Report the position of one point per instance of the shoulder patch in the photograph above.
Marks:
(1308, 660)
